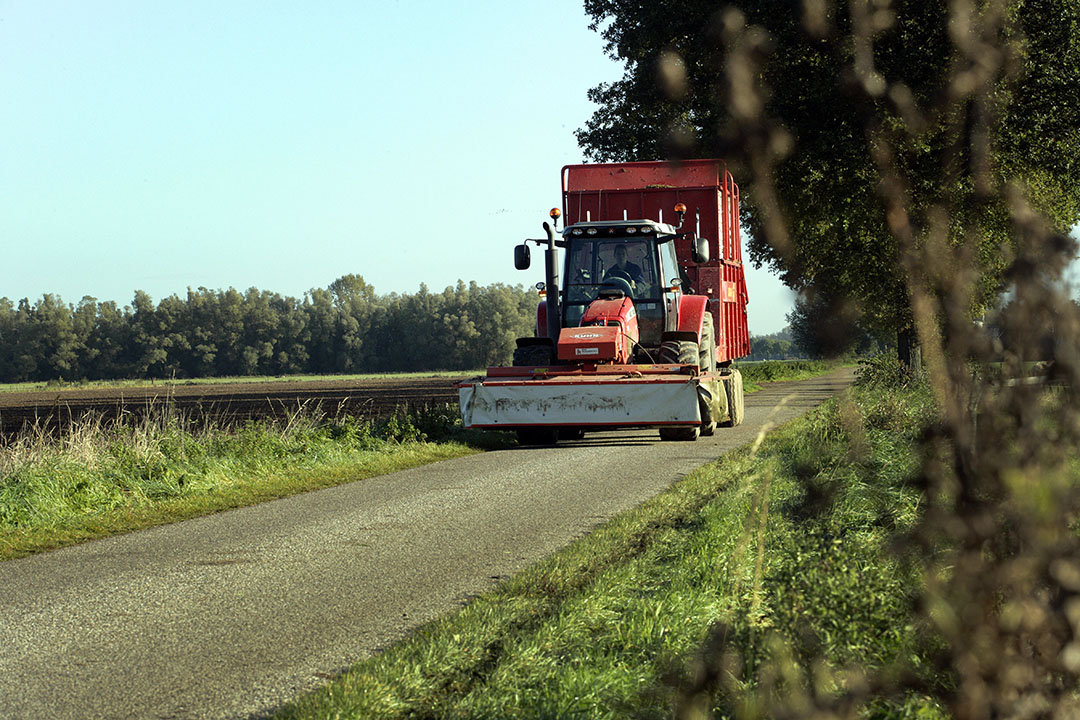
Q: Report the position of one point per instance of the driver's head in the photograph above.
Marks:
(620, 254)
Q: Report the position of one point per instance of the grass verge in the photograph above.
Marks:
(102, 480)
(783, 550)
(756, 373)
(240, 380)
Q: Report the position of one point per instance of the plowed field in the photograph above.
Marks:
(224, 403)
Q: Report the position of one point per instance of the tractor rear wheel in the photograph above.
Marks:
(678, 352)
(532, 355)
(707, 346)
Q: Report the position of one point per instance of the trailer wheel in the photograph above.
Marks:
(678, 352)
(707, 346)
(733, 386)
(680, 434)
(537, 436)
(532, 355)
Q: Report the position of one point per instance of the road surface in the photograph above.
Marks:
(233, 614)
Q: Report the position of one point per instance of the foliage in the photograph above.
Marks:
(770, 349)
(775, 346)
(824, 328)
(774, 370)
(844, 82)
(345, 328)
(912, 159)
(885, 370)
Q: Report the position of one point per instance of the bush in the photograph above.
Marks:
(778, 370)
(886, 371)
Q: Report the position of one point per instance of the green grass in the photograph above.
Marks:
(86, 384)
(780, 555)
(755, 373)
(98, 481)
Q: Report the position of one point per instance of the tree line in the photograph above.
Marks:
(344, 328)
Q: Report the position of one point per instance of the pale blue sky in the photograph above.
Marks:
(280, 145)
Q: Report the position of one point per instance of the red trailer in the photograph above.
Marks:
(711, 198)
(650, 316)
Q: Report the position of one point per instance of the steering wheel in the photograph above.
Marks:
(618, 281)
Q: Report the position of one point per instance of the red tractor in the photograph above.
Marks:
(650, 316)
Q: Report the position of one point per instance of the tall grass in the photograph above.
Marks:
(97, 477)
(778, 370)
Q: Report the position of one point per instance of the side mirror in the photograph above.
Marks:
(522, 258)
(699, 251)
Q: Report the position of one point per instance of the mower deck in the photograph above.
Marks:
(605, 396)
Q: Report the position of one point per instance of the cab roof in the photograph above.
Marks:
(611, 228)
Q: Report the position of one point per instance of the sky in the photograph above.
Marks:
(281, 145)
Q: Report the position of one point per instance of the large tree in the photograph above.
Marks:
(845, 83)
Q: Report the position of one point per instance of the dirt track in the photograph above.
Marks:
(226, 402)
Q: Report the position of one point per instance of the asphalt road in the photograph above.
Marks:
(233, 614)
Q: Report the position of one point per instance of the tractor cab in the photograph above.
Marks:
(622, 294)
(634, 260)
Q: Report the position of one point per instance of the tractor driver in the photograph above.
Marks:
(624, 269)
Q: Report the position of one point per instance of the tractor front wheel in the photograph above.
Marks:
(537, 436)
(532, 355)
(733, 386)
(680, 434)
(707, 347)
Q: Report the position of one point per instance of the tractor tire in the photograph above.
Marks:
(678, 352)
(707, 346)
(537, 436)
(708, 423)
(733, 386)
(680, 434)
(532, 355)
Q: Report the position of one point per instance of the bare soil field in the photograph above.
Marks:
(226, 403)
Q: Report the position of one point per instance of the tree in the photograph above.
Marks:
(11, 337)
(110, 339)
(824, 327)
(356, 303)
(54, 339)
(846, 87)
(148, 356)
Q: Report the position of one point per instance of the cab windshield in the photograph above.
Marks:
(628, 265)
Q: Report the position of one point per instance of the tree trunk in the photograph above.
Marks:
(908, 350)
